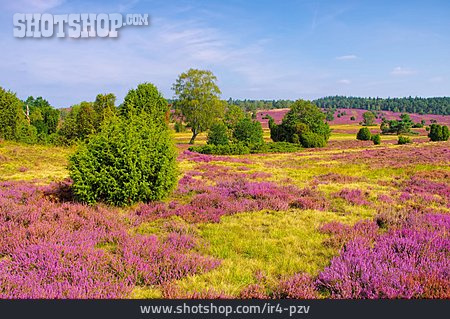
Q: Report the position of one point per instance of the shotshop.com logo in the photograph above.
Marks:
(84, 25)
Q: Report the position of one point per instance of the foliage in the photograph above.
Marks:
(104, 107)
(145, 98)
(376, 139)
(363, 134)
(311, 140)
(438, 132)
(222, 149)
(128, 161)
(132, 158)
(85, 120)
(330, 116)
(11, 116)
(198, 100)
(27, 133)
(254, 105)
(218, 134)
(402, 126)
(248, 132)
(434, 105)
(403, 140)
(179, 127)
(233, 115)
(42, 116)
(368, 118)
(352, 118)
(303, 117)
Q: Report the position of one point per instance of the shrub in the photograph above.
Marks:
(249, 132)
(352, 118)
(403, 140)
(275, 147)
(363, 134)
(310, 139)
(26, 133)
(179, 127)
(376, 139)
(303, 117)
(218, 134)
(128, 161)
(229, 149)
(438, 132)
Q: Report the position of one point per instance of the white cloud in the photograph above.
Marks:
(347, 57)
(401, 71)
(344, 81)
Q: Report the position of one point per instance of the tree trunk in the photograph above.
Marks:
(194, 135)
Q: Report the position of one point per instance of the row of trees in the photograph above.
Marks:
(434, 105)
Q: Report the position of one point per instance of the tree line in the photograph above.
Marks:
(432, 105)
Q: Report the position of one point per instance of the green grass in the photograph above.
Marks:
(273, 243)
(38, 163)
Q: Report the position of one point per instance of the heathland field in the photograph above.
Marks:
(351, 220)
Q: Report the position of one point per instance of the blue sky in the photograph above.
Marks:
(257, 49)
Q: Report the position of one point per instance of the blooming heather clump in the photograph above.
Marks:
(341, 233)
(230, 197)
(427, 191)
(50, 249)
(353, 196)
(412, 262)
(385, 199)
(253, 291)
(299, 286)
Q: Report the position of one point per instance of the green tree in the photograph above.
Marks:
(330, 116)
(363, 134)
(68, 132)
(368, 118)
(233, 115)
(11, 115)
(130, 160)
(218, 134)
(303, 117)
(42, 116)
(145, 98)
(438, 133)
(405, 124)
(249, 132)
(198, 100)
(104, 107)
(376, 139)
(85, 120)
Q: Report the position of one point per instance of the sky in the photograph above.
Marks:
(257, 49)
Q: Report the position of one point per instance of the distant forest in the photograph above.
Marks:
(433, 105)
